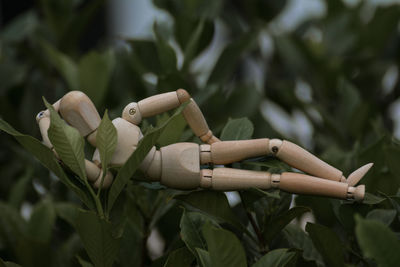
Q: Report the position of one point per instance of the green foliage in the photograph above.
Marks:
(336, 72)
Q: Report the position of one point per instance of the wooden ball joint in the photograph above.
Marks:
(178, 165)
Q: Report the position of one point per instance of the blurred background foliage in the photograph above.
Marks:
(328, 82)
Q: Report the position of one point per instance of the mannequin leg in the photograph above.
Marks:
(228, 179)
(226, 152)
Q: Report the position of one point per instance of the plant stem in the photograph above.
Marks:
(261, 240)
(96, 199)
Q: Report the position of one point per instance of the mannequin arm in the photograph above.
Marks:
(157, 104)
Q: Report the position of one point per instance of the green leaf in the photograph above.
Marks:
(204, 257)
(277, 258)
(299, 239)
(213, 203)
(12, 226)
(8, 264)
(18, 191)
(229, 58)
(20, 27)
(377, 242)
(132, 164)
(173, 131)
(106, 141)
(384, 216)
(371, 199)
(275, 226)
(179, 258)
(166, 53)
(95, 71)
(64, 65)
(68, 143)
(83, 263)
(327, 243)
(47, 158)
(237, 129)
(67, 212)
(191, 225)
(97, 238)
(41, 223)
(224, 247)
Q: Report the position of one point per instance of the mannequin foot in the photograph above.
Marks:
(357, 175)
(356, 193)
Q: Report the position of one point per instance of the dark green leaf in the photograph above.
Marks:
(277, 258)
(67, 212)
(204, 257)
(191, 225)
(166, 53)
(237, 129)
(18, 191)
(21, 27)
(97, 238)
(46, 157)
(377, 242)
(224, 247)
(179, 258)
(213, 203)
(83, 263)
(95, 71)
(64, 65)
(274, 226)
(327, 243)
(41, 223)
(8, 264)
(132, 164)
(229, 58)
(372, 199)
(384, 216)
(300, 240)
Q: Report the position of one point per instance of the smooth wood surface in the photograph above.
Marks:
(228, 179)
(154, 170)
(180, 165)
(132, 113)
(303, 160)
(226, 152)
(79, 111)
(197, 122)
(158, 104)
(309, 185)
(94, 175)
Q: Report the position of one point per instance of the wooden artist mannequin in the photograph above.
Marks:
(178, 165)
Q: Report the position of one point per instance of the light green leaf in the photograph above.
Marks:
(191, 225)
(204, 257)
(273, 227)
(299, 239)
(224, 247)
(47, 158)
(97, 238)
(64, 65)
(237, 129)
(68, 143)
(192, 46)
(132, 164)
(173, 131)
(213, 203)
(106, 141)
(95, 71)
(179, 258)
(276, 258)
(384, 216)
(377, 242)
(41, 223)
(327, 243)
